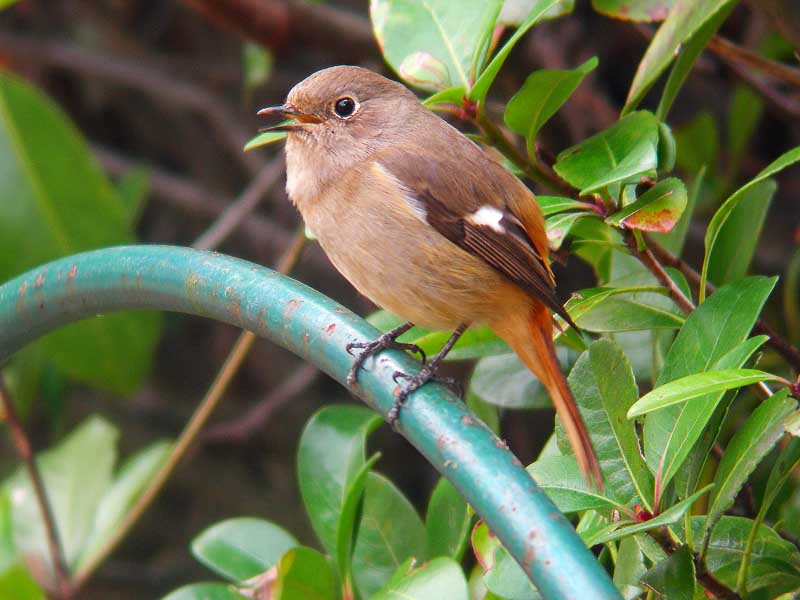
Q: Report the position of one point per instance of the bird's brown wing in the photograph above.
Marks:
(450, 197)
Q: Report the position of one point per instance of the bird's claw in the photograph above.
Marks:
(415, 382)
(384, 342)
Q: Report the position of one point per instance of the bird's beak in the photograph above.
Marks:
(287, 111)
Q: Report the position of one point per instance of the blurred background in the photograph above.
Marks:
(164, 94)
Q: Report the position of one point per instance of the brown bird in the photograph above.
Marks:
(425, 224)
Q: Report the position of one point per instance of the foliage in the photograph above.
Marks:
(667, 396)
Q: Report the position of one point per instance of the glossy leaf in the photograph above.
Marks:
(265, 138)
(749, 445)
(488, 413)
(440, 578)
(552, 205)
(788, 460)
(690, 387)
(132, 189)
(539, 10)
(634, 10)
(540, 97)
(331, 469)
(304, 574)
(55, 201)
(129, 483)
(622, 529)
(596, 243)
(684, 19)
(451, 34)
(76, 473)
(560, 226)
(631, 308)
(629, 569)
(204, 591)
(507, 580)
(736, 243)
(692, 468)
(674, 240)
(723, 214)
(775, 561)
(688, 53)
(504, 381)
(657, 210)
(562, 481)
(604, 388)
(621, 154)
(744, 116)
(447, 522)
(16, 583)
(673, 578)
(239, 549)
(712, 331)
(389, 532)
(514, 12)
(475, 343)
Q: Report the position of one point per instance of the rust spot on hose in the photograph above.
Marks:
(330, 328)
(23, 290)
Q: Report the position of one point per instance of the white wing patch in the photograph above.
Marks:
(488, 216)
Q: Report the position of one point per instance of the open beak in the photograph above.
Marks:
(287, 111)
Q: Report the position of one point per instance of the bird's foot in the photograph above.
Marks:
(428, 374)
(388, 341)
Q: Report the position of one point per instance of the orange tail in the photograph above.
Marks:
(531, 337)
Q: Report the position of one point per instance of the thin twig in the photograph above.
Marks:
(648, 259)
(139, 75)
(789, 352)
(190, 432)
(23, 445)
(732, 52)
(237, 212)
(243, 427)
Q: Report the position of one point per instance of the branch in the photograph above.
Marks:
(141, 76)
(730, 52)
(23, 445)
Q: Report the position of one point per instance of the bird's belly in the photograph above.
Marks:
(411, 270)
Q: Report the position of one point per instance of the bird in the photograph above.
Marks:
(427, 225)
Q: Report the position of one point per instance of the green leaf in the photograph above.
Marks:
(688, 53)
(539, 11)
(239, 549)
(690, 387)
(657, 210)
(507, 580)
(604, 388)
(447, 522)
(673, 578)
(475, 343)
(712, 331)
(257, 63)
(736, 243)
(129, 483)
(515, 12)
(689, 474)
(552, 205)
(674, 240)
(749, 445)
(632, 311)
(265, 138)
(132, 190)
(76, 473)
(622, 529)
(16, 583)
(488, 413)
(390, 531)
(204, 591)
(452, 35)
(560, 226)
(629, 569)
(504, 381)
(540, 97)
(6, 3)
(55, 201)
(454, 95)
(440, 578)
(744, 115)
(634, 10)
(304, 574)
(723, 214)
(684, 19)
(620, 154)
(775, 561)
(562, 481)
(332, 469)
(596, 243)
(786, 463)
(698, 145)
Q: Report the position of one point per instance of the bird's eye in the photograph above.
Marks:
(344, 107)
